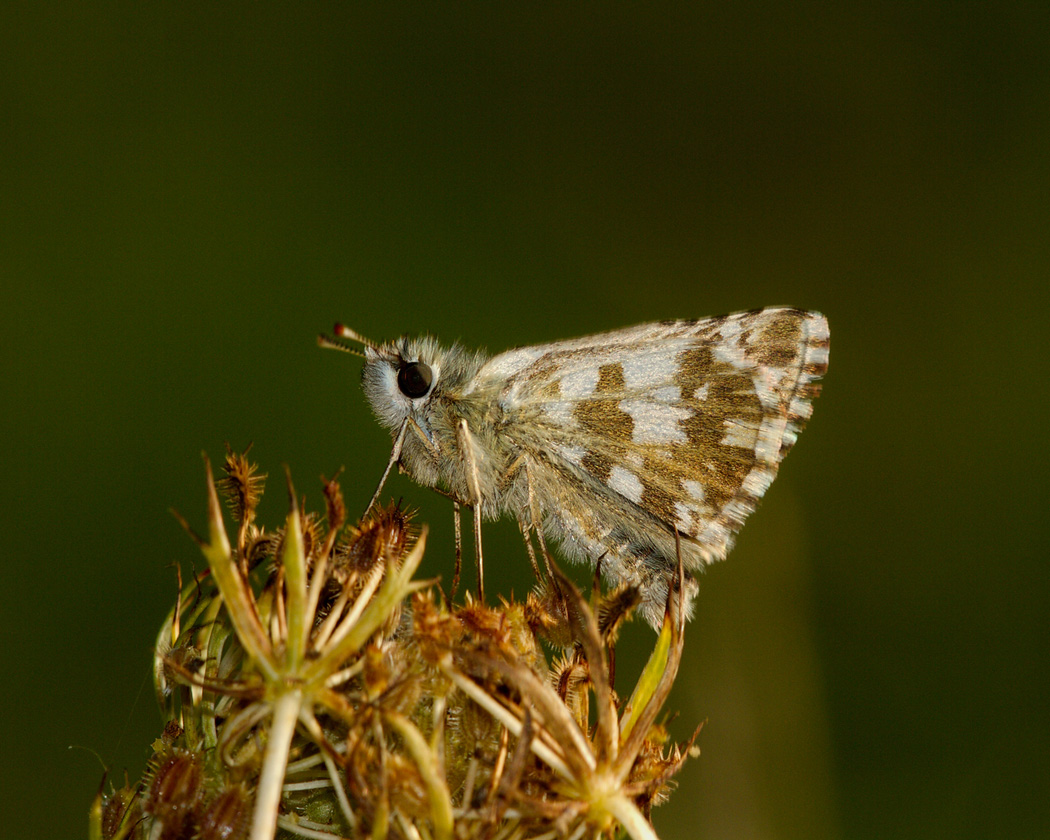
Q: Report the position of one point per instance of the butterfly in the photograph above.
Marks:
(629, 447)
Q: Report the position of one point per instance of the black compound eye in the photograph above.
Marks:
(414, 378)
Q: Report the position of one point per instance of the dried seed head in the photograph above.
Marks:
(547, 614)
(335, 507)
(175, 790)
(227, 816)
(121, 812)
(616, 608)
(242, 486)
(386, 534)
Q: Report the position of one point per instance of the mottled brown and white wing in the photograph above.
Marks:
(687, 421)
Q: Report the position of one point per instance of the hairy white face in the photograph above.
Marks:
(400, 378)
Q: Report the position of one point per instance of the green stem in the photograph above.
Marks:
(271, 781)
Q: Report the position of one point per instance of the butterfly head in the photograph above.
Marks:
(399, 377)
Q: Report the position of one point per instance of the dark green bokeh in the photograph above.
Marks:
(190, 192)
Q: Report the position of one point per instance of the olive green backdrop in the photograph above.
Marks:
(189, 192)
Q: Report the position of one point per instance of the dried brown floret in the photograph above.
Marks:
(242, 485)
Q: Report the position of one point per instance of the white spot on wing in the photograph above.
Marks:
(626, 483)
(817, 328)
(642, 370)
(559, 412)
(766, 387)
(685, 518)
(817, 355)
(757, 482)
(572, 454)
(770, 434)
(656, 422)
(694, 489)
(800, 408)
(729, 350)
(667, 394)
(507, 364)
(730, 329)
(579, 383)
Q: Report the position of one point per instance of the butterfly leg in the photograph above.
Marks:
(395, 454)
(457, 502)
(526, 523)
(536, 521)
(530, 520)
(525, 526)
(465, 442)
(459, 548)
(395, 457)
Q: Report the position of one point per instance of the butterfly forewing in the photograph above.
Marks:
(685, 420)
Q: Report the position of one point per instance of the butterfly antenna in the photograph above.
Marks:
(342, 331)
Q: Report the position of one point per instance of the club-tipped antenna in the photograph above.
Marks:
(343, 331)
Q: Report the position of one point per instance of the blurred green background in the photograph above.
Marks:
(190, 192)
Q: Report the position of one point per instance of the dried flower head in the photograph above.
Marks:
(312, 688)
